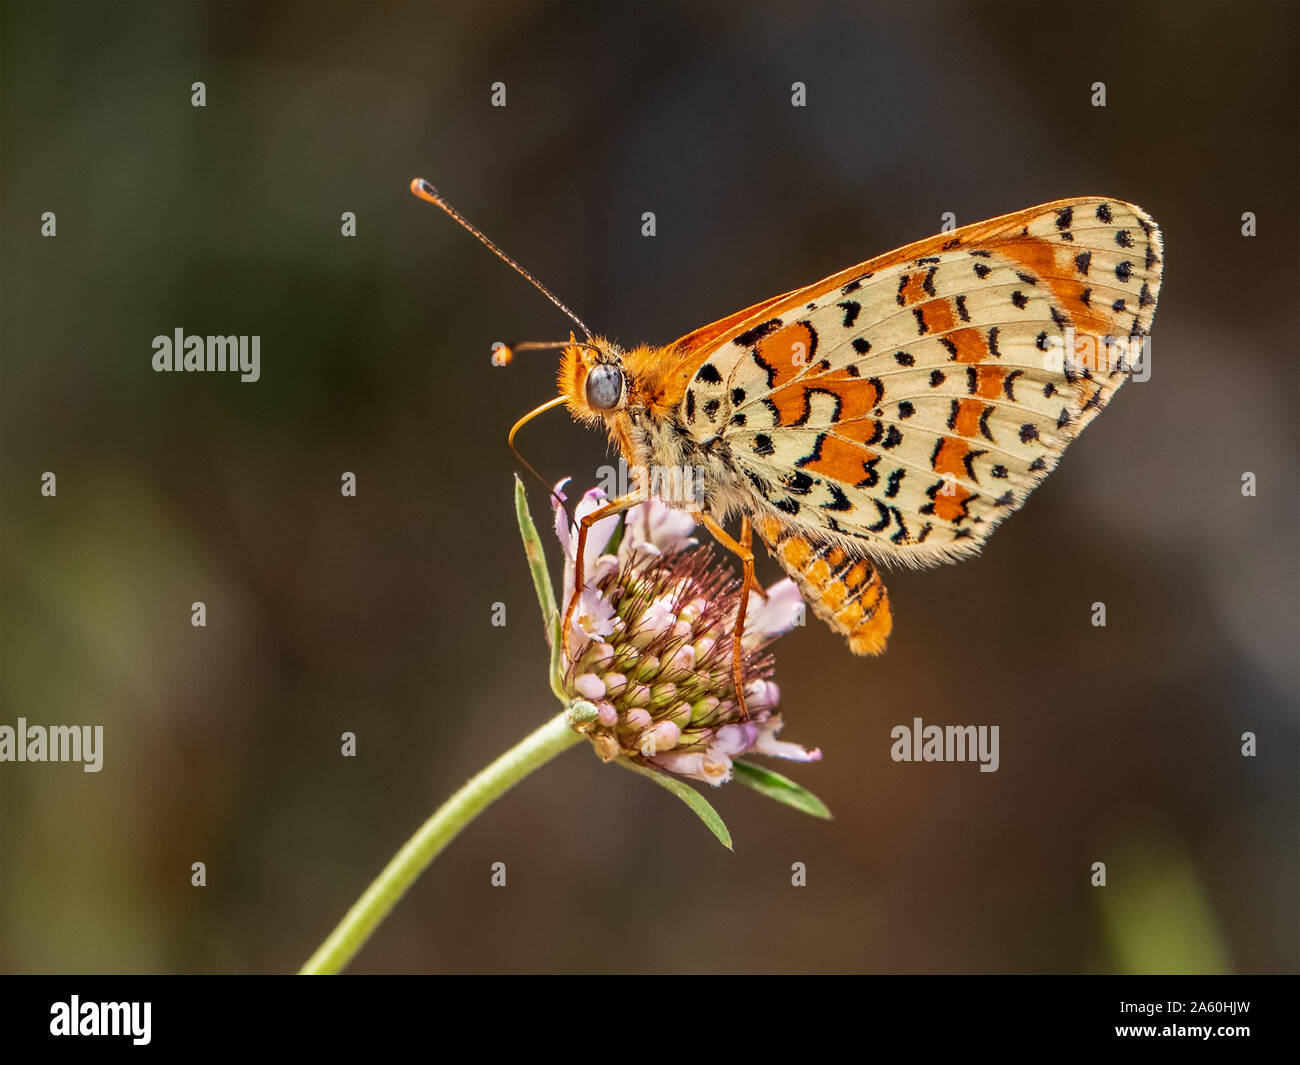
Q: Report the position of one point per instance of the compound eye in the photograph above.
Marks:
(604, 387)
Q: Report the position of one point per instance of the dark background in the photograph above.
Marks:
(325, 614)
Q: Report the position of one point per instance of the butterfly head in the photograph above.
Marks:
(593, 380)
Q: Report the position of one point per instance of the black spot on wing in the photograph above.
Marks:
(872, 477)
(838, 500)
(902, 536)
(765, 366)
(751, 337)
(815, 453)
(797, 483)
(885, 517)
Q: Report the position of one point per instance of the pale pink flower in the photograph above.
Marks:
(651, 645)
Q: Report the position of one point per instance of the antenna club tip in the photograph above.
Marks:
(425, 191)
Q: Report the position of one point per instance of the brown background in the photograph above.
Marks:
(325, 614)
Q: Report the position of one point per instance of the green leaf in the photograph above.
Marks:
(692, 798)
(536, 557)
(782, 789)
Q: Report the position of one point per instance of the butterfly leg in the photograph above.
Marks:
(747, 542)
(614, 506)
(745, 553)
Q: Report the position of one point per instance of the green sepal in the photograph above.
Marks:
(536, 557)
(692, 798)
(782, 789)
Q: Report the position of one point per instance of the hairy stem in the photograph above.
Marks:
(407, 864)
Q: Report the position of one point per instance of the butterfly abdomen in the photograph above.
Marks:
(843, 590)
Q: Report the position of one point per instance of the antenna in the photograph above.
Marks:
(424, 191)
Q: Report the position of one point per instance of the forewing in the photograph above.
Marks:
(914, 401)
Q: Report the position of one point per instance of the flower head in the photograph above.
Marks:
(650, 645)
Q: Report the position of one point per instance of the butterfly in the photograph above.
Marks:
(892, 413)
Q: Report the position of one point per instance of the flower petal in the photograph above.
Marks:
(655, 529)
(768, 744)
(698, 765)
(558, 498)
(593, 617)
(766, 619)
(761, 695)
(599, 534)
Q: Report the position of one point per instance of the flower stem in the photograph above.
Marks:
(408, 863)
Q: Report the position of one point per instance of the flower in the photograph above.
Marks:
(649, 657)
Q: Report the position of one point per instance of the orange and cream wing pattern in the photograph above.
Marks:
(903, 407)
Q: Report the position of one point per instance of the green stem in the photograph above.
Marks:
(408, 863)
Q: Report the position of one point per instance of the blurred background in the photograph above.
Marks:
(373, 615)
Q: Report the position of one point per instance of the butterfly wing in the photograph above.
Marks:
(905, 406)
